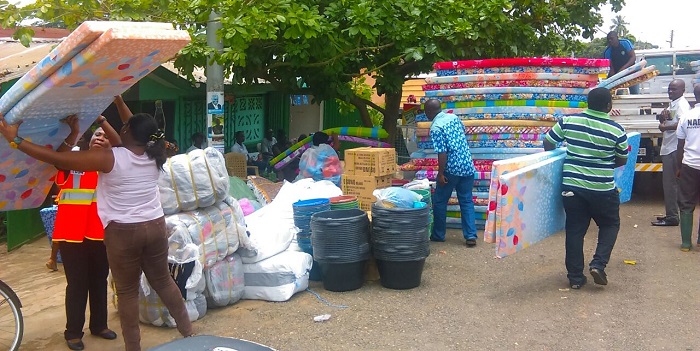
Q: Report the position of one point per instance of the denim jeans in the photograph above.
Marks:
(463, 186)
(584, 205)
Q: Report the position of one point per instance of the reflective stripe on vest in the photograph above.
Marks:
(77, 197)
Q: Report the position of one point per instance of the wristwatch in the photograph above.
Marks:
(15, 142)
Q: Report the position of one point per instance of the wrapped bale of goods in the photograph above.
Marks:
(224, 282)
(215, 230)
(194, 180)
(277, 278)
(153, 311)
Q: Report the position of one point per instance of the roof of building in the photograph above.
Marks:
(16, 60)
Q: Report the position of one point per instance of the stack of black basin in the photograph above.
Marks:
(400, 244)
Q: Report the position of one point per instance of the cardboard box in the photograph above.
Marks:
(369, 161)
(363, 186)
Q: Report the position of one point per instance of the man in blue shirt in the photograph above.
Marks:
(621, 54)
(456, 171)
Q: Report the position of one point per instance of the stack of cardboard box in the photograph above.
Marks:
(367, 169)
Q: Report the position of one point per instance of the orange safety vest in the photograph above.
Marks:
(77, 218)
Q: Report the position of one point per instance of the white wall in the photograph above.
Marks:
(304, 119)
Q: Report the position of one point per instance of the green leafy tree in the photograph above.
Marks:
(329, 43)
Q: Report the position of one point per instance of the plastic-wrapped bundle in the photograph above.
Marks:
(277, 278)
(319, 163)
(153, 311)
(224, 282)
(215, 230)
(193, 180)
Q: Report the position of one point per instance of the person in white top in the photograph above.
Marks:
(128, 205)
(239, 147)
(668, 121)
(197, 141)
(689, 174)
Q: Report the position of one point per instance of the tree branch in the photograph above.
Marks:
(367, 102)
(336, 57)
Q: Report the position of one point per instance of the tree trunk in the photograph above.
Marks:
(361, 106)
(391, 114)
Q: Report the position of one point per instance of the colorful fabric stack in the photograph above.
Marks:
(507, 105)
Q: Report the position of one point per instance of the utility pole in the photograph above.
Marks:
(215, 87)
(670, 42)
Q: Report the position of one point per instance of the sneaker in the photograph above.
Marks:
(599, 276)
(471, 242)
(432, 238)
(577, 286)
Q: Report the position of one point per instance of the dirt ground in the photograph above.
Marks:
(468, 300)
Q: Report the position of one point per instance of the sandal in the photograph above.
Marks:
(52, 265)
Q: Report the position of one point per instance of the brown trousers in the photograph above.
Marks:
(131, 249)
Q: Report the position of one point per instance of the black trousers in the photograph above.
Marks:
(581, 207)
(86, 270)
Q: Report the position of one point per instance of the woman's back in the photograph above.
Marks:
(129, 193)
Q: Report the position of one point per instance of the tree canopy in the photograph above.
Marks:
(327, 44)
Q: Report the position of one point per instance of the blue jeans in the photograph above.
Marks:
(584, 205)
(463, 186)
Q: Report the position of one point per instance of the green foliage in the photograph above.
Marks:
(329, 43)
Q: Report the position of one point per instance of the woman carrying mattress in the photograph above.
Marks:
(129, 208)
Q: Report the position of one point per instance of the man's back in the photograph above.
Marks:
(689, 130)
(448, 136)
(594, 142)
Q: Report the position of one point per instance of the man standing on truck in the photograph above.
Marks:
(689, 174)
(668, 122)
(621, 54)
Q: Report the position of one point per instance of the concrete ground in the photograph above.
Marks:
(468, 300)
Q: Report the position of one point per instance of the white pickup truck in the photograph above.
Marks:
(637, 113)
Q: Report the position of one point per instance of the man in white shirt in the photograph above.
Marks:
(197, 141)
(668, 122)
(238, 145)
(689, 174)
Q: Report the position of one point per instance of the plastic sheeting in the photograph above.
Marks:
(153, 311)
(215, 230)
(277, 278)
(194, 180)
(224, 281)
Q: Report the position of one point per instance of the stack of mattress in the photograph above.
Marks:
(507, 105)
(630, 76)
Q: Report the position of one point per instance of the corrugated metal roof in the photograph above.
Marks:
(16, 60)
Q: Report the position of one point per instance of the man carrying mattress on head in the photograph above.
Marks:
(596, 145)
(456, 172)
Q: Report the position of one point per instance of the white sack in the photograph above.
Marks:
(277, 278)
(215, 230)
(224, 281)
(193, 180)
(272, 227)
(153, 311)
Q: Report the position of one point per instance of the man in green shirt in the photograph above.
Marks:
(595, 146)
